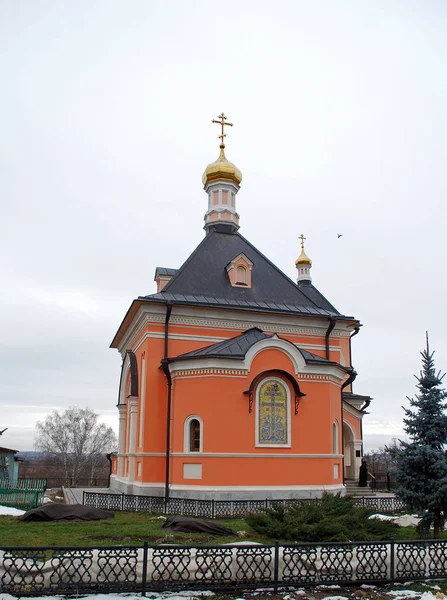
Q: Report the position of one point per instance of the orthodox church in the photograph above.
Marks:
(236, 382)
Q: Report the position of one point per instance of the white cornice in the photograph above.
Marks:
(201, 316)
(355, 413)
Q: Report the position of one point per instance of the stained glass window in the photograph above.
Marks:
(273, 414)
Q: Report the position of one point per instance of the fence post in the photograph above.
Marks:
(266, 504)
(122, 501)
(144, 574)
(83, 497)
(392, 562)
(212, 509)
(276, 568)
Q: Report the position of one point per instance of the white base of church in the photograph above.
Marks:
(136, 488)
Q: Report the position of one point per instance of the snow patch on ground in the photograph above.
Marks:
(402, 520)
(15, 512)
(405, 594)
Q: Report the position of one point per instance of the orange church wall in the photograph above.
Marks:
(354, 423)
(311, 429)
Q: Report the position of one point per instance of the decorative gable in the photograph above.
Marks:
(239, 271)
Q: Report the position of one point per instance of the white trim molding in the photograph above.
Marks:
(203, 316)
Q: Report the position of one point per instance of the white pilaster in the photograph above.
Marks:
(121, 430)
(142, 402)
(132, 402)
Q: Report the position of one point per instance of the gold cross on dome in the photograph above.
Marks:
(222, 118)
(302, 238)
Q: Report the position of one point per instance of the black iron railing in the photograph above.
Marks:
(144, 569)
(216, 509)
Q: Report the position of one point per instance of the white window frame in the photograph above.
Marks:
(289, 424)
(186, 433)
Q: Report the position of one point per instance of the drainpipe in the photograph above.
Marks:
(349, 380)
(165, 367)
(356, 331)
(328, 333)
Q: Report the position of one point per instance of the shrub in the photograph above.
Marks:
(332, 518)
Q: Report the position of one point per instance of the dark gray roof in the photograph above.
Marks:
(203, 280)
(165, 271)
(238, 347)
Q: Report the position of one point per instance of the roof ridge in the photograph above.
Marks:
(318, 292)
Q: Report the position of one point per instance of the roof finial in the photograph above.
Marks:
(303, 264)
(222, 122)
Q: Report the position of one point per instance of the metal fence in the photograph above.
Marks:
(45, 570)
(217, 509)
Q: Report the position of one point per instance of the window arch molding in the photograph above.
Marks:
(273, 373)
(128, 385)
(288, 430)
(188, 434)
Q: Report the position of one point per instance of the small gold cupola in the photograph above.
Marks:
(303, 264)
(221, 181)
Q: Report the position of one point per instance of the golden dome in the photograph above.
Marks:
(303, 259)
(222, 169)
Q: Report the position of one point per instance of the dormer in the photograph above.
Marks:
(239, 271)
(162, 276)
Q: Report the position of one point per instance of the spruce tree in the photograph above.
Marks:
(422, 461)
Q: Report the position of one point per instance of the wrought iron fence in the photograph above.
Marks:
(49, 570)
(213, 509)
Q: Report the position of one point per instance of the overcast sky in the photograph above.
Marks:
(105, 111)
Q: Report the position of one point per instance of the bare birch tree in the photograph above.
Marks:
(77, 439)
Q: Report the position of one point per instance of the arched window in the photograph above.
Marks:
(335, 437)
(273, 414)
(241, 275)
(193, 434)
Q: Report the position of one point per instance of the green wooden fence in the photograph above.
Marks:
(23, 493)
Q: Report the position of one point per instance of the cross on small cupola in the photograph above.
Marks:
(303, 264)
